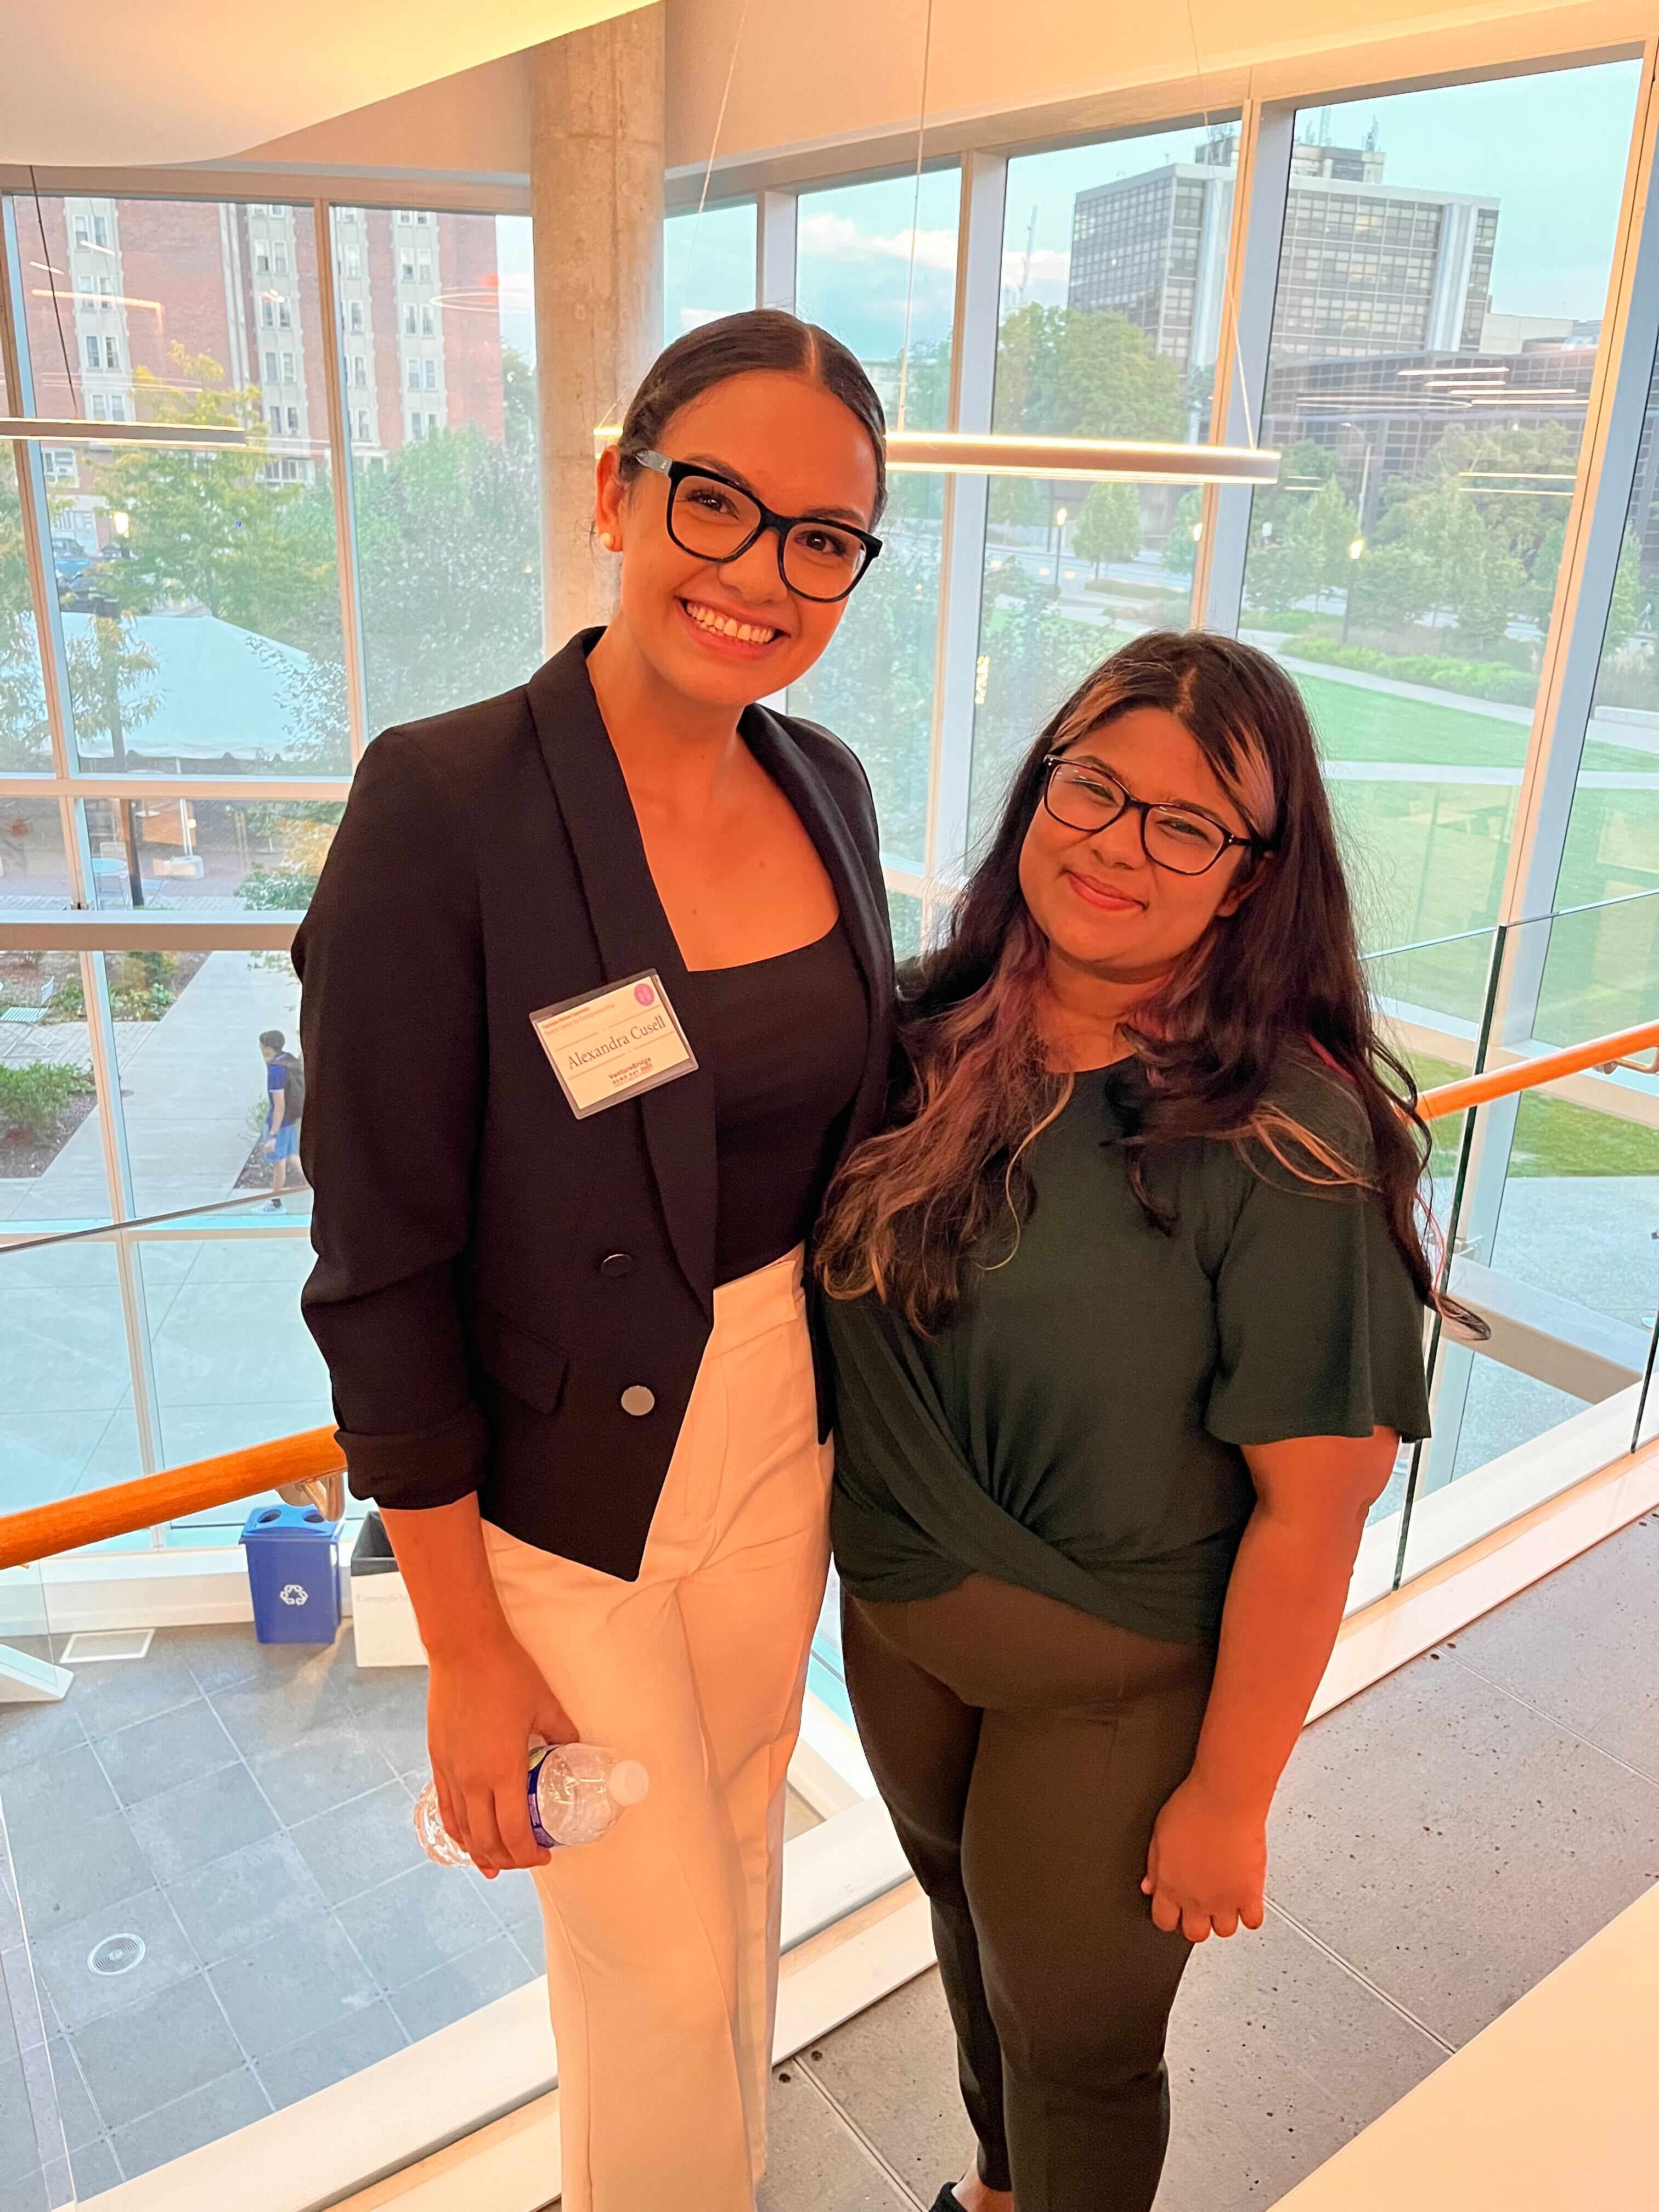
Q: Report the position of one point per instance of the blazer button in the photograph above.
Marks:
(637, 1400)
(616, 1263)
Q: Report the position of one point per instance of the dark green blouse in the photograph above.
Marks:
(1076, 1428)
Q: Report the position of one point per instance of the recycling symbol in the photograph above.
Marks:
(293, 1593)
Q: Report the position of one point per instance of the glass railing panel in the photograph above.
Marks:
(1554, 1230)
(233, 1360)
(34, 870)
(1432, 993)
(66, 1409)
(52, 1163)
(1599, 970)
(195, 1101)
(1646, 1427)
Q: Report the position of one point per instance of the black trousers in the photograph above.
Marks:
(1024, 1750)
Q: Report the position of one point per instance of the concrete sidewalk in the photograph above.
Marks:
(190, 1084)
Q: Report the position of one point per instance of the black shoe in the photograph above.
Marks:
(947, 2200)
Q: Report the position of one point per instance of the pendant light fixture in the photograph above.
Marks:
(1109, 460)
(71, 430)
(993, 453)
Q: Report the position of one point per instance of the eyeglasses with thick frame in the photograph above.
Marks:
(1106, 788)
(782, 526)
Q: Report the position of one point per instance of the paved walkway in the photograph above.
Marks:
(189, 1086)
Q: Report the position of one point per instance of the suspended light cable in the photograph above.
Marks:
(915, 213)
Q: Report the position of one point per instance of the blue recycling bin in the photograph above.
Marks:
(293, 1573)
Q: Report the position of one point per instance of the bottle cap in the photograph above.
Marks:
(628, 1783)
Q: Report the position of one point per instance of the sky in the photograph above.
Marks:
(1557, 217)
(516, 309)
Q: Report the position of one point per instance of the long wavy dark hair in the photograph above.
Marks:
(1278, 980)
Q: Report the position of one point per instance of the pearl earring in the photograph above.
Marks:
(607, 541)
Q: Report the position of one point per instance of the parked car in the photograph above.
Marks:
(70, 561)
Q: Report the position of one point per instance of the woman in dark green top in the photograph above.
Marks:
(1126, 1311)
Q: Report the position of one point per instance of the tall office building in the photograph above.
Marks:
(1367, 267)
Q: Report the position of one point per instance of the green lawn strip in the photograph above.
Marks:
(1598, 753)
(1382, 726)
(1552, 1137)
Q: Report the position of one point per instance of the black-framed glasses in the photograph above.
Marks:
(1183, 839)
(718, 521)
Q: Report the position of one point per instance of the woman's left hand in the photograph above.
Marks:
(1207, 1866)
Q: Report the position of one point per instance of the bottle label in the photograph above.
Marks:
(539, 1752)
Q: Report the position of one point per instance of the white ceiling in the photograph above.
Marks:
(104, 82)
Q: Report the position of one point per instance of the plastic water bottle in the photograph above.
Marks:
(577, 1793)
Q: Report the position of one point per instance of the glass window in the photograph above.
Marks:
(204, 627)
(234, 1363)
(1113, 268)
(1613, 838)
(194, 1096)
(876, 264)
(1435, 330)
(448, 508)
(208, 856)
(708, 266)
(25, 739)
(52, 1151)
(65, 1393)
(32, 870)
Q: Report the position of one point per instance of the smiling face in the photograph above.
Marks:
(727, 634)
(1104, 907)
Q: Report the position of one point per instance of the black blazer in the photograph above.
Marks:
(492, 1274)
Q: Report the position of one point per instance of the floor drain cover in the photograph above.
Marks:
(117, 1954)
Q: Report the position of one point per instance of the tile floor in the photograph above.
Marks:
(1440, 1843)
(243, 1809)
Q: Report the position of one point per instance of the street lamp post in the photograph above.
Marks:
(106, 639)
(1059, 540)
(1356, 548)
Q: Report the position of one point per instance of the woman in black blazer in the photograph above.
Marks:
(596, 991)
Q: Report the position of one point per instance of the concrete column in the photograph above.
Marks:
(595, 174)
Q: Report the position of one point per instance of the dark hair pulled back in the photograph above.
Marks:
(738, 346)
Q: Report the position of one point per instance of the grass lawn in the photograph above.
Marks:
(1380, 726)
(1552, 1137)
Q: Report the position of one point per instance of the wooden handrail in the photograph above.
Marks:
(67, 1523)
(1527, 1074)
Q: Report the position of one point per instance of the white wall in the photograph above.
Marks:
(810, 76)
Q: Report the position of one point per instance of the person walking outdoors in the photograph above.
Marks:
(1127, 1326)
(285, 1100)
(598, 991)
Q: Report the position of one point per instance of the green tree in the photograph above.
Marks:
(448, 562)
(874, 687)
(111, 690)
(1629, 599)
(1180, 547)
(25, 739)
(1108, 528)
(1032, 658)
(1276, 523)
(1471, 571)
(208, 528)
(1074, 375)
(518, 401)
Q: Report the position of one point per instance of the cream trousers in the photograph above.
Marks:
(662, 1940)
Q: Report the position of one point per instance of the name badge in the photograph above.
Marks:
(614, 1043)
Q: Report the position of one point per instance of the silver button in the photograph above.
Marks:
(637, 1400)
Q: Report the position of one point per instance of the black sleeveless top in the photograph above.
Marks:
(786, 1040)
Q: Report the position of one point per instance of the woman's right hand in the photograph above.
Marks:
(483, 1707)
